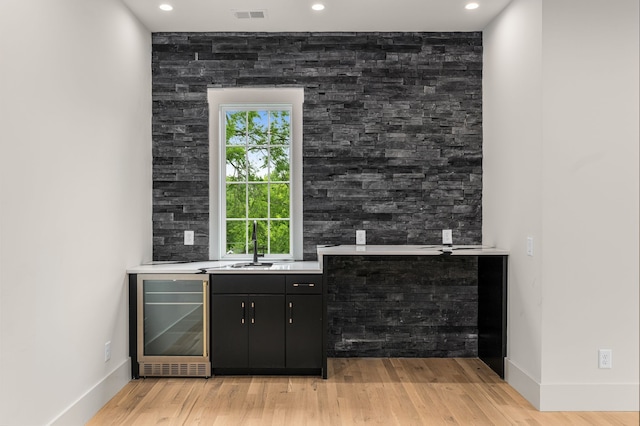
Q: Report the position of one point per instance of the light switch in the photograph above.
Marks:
(529, 246)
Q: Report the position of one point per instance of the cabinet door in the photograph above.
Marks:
(230, 341)
(304, 331)
(266, 331)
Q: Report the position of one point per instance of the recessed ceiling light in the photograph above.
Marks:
(166, 7)
(318, 6)
(471, 6)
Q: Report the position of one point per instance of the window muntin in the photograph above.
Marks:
(257, 141)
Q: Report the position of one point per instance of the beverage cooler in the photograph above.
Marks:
(172, 325)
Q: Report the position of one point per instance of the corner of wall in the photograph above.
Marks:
(512, 167)
(521, 381)
(81, 410)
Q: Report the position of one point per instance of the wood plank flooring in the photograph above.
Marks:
(372, 391)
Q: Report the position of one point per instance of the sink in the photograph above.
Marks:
(276, 265)
(252, 265)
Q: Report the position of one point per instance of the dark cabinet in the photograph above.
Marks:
(304, 331)
(248, 331)
(230, 334)
(304, 321)
(266, 333)
(266, 323)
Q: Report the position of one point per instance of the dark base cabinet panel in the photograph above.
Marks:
(230, 333)
(248, 331)
(492, 311)
(266, 331)
(133, 325)
(267, 372)
(304, 331)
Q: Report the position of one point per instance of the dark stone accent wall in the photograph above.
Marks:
(402, 306)
(392, 132)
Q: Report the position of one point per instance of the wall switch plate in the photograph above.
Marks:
(188, 238)
(107, 351)
(447, 237)
(361, 236)
(605, 358)
(529, 246)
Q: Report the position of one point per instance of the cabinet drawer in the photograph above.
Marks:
(304, 284)
(247, 283)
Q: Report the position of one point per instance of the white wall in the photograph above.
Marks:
(512, 166)
(579, 292)
(591, 141)
(75, 188)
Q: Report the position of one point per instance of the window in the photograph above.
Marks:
(256, 162)
(257, 181)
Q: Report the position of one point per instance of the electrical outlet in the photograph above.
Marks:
(188, 238)
(529, 246)
(107, 351)
(605, 358)
(361, 236)
(447, 237)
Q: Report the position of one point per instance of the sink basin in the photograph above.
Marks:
(252, 265)
(276, 265)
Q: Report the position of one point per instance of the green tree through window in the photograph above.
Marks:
(258, 181)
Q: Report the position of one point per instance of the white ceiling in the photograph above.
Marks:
(297, 16)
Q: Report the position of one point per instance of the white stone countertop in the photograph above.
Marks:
(226, 267)
(312, 267)
(409, 250)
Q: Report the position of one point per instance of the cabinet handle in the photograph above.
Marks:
(253, 313)
(243, 313)
(290, 312)
(304, 285)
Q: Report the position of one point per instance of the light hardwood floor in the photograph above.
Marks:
(372, 391)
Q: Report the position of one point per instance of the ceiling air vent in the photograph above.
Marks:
(250, 14)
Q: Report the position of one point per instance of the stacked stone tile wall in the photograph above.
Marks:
(399, 306)
(392, 132)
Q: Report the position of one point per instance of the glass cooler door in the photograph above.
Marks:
(174, 317)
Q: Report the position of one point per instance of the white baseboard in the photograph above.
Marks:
(573, 396)
(85, 407)
(590, 397)
(523, 383)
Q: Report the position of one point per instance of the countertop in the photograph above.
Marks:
(312, 267)
(226, 267)
(409, 250)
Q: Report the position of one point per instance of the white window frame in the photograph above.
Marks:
(217, 97)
